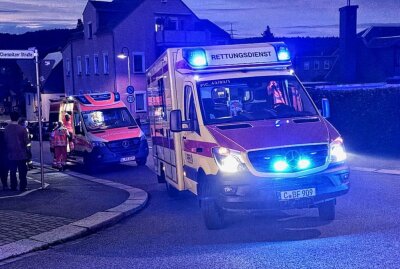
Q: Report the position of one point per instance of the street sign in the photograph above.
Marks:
(130, 89)
(130, 98)
(17, 54)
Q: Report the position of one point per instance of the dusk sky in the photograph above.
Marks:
(248, 17)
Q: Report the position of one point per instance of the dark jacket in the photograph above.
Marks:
(16, 138)
(3, 147)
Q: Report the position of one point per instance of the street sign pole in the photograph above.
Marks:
(39, 102)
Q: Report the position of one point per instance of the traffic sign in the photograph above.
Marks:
(130, 98)
(17, 54)
(130, 89)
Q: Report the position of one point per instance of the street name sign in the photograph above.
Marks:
(17, 54)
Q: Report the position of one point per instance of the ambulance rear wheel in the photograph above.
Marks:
(327, 210)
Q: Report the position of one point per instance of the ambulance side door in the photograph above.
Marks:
(191, 140)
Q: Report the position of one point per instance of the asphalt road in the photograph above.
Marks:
(169, 233)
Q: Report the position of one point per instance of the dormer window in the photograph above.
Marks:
(90, 30)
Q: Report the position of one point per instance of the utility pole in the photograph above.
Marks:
(232, 31)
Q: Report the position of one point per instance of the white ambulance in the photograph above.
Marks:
(102, 128)
(234, 125)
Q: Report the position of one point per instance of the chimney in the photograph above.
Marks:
(348, 43)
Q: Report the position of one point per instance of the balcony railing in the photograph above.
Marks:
(176, 38)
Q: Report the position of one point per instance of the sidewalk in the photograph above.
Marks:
(374, 163)
(72, 205)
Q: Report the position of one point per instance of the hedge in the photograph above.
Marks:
(368, 119)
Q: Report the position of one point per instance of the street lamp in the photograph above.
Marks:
(123, 55)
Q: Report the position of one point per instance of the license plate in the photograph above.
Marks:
(297, 194)
(127, 159)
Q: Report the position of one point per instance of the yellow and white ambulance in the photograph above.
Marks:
(102, 128)
(233, 125)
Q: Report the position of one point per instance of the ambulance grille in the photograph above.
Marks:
(125, 145)
(263, 160)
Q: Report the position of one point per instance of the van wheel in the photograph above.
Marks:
(141, 162)
(327, 210)
(213, 215)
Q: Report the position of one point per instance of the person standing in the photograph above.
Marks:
(24, 123)
(60, 142)
(3, 161)
(16, 138)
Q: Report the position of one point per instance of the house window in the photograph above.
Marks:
(140, 102)
(87, 65)
(106, 66)
(79, 65)
(68, 67)
(159, 25)
(90, 30)
(327, 64)
(96, 64)
(306, 66)
(138, 62)
(316, 65)
(166, 23)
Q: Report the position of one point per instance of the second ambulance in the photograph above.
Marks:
(234, 125)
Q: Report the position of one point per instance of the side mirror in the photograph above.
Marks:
(175, 123)
(326, 109)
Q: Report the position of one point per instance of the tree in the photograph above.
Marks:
(79, 26)
(267, 34)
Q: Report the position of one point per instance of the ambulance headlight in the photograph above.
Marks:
(228, 161)
(337, 151)
(195, 57)
(98, 144)
(283, 54)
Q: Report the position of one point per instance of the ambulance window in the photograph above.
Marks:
(163, 99)
(187, 97)
(190, 109)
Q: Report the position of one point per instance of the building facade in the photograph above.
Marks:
(140, 30)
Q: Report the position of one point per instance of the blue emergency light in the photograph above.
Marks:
(283, 53)
(280, 166)
(195, 57)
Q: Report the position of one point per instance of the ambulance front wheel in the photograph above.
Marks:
(213, 215)
(327, 210)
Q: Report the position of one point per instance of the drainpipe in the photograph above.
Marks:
(72, 69)
(115, 67)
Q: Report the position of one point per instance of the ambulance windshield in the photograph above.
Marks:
(107, 119)
(253, 98)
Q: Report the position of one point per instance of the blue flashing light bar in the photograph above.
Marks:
(283, 54)
(195, 57)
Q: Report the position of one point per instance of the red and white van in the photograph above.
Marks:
(103, 129)
(234, 125)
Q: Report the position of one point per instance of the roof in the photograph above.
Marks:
(381, 36)
(110, 14)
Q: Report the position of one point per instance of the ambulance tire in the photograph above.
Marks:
(213, 215)
(327, 210)
(88, 164)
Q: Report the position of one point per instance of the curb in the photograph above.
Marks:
(137, 200)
